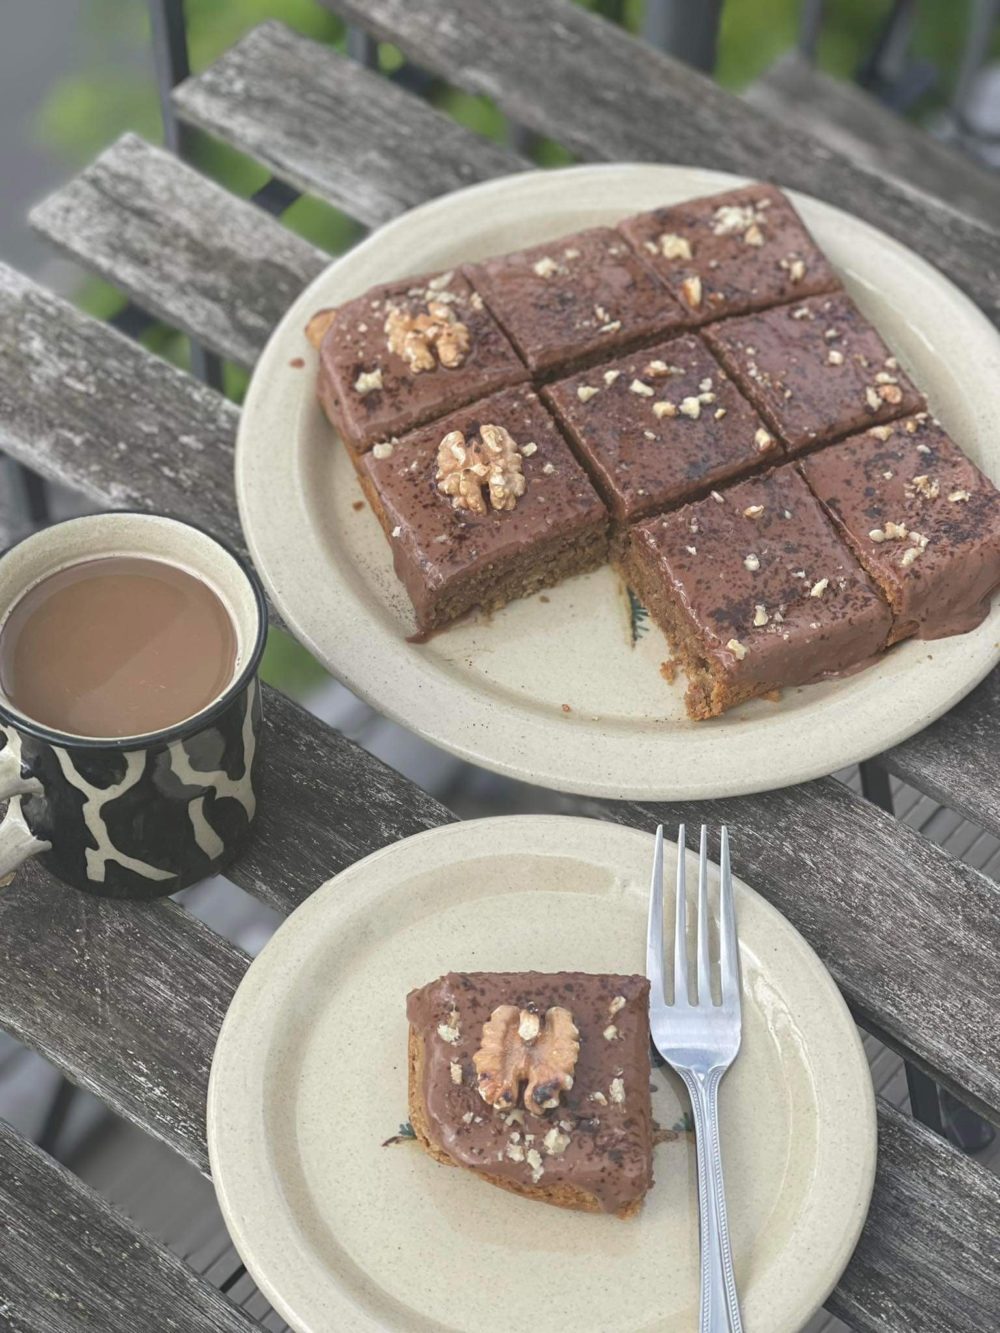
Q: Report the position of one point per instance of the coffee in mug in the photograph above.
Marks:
(130, 711)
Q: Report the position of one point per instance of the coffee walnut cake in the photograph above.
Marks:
(686, 394)
(537, 1082)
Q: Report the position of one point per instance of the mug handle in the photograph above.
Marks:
(17, 842)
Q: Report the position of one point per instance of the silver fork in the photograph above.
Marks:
(700, 1040)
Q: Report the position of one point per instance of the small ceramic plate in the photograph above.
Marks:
(564, 689)
(343, 1231)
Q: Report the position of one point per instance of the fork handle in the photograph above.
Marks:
(719, 1305)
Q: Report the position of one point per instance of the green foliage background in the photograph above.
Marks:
(115, 91)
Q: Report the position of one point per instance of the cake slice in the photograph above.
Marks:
(661, 426)
(537, 1082)
(728, 253)
(815, 371)
(921, 518)
(484, 506)
(404, 353)
(580, 297)
(755, 591)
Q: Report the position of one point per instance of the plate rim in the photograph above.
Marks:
(348, 891)
(499, 734)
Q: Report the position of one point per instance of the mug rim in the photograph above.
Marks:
(188, 725)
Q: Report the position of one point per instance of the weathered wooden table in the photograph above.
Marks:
(127, 999)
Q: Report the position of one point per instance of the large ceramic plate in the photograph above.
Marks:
(557, 689)
(309, 1079)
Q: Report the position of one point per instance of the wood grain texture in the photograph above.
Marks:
(910, 935)
(334, 129)
(125, 998)
(859, 127)
(564, 72)
(69, 1262)
(83, 405)
(957, 759)
(185, 249)
(912, 1230)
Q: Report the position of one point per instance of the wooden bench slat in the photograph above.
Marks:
(132, 1000)
(82, 405)
(957, 759)
(856, 125)
(912, 936)
(70, 1262)
(587, 83)
(334, 129)
(184, 248)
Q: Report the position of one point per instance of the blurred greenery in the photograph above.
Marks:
(114, 90)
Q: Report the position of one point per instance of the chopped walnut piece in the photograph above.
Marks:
(617, 1090)
(737, 649)
(882, 433)
(423, 341)
(909, 555)
(763, 439)
(751, 562)
(890, 393)
(555, 1141)
(753, 511)
(534, 1159)
(492, 460)
(545, 267)
(664, 409)
(877, 535)
(586, 391)
(956, 496)
(643, 390)
(760, 616)
(599, 1098)
(610, 1033)
(872, 399)
(896, 531)
(318, 326)
(691, 291)
(545, 1061)
(928, 487)
(819, 587)
(610, 376)
(834, 357)
(368, 381)
(455, 1069)
(730, 218)
(617, 1004)
(753, 235)
(673, 246)
(691, 407)
(448, 1032)
(384, 449)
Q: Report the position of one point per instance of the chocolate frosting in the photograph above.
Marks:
(916, 478)
(736, 274)
(356, 343)
(433, 543)
(578, 296)
(725, 564)
(609, 1148)
(642, 461)
(814, 369)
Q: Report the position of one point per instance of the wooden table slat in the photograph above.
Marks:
(567, 73)
(957, 759)
(128, 999)
(182, 247)
(70, 1262)
(334, 129)
(83, 405)
(912, 936)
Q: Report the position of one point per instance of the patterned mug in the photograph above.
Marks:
(135, 816)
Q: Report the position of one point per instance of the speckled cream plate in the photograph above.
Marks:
(556, 689)
(309, 1079)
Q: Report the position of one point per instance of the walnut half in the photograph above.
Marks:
(519, 1046)
(425, 340)
(492, 459)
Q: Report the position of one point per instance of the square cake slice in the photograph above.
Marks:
(755, 591)
(571, 300)
(484, 506)
(660, 426)
(730, 253)
(921, 518)
(537, 1082)
(404, 353)
(815, 371)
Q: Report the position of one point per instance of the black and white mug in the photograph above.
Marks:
(135, 816)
